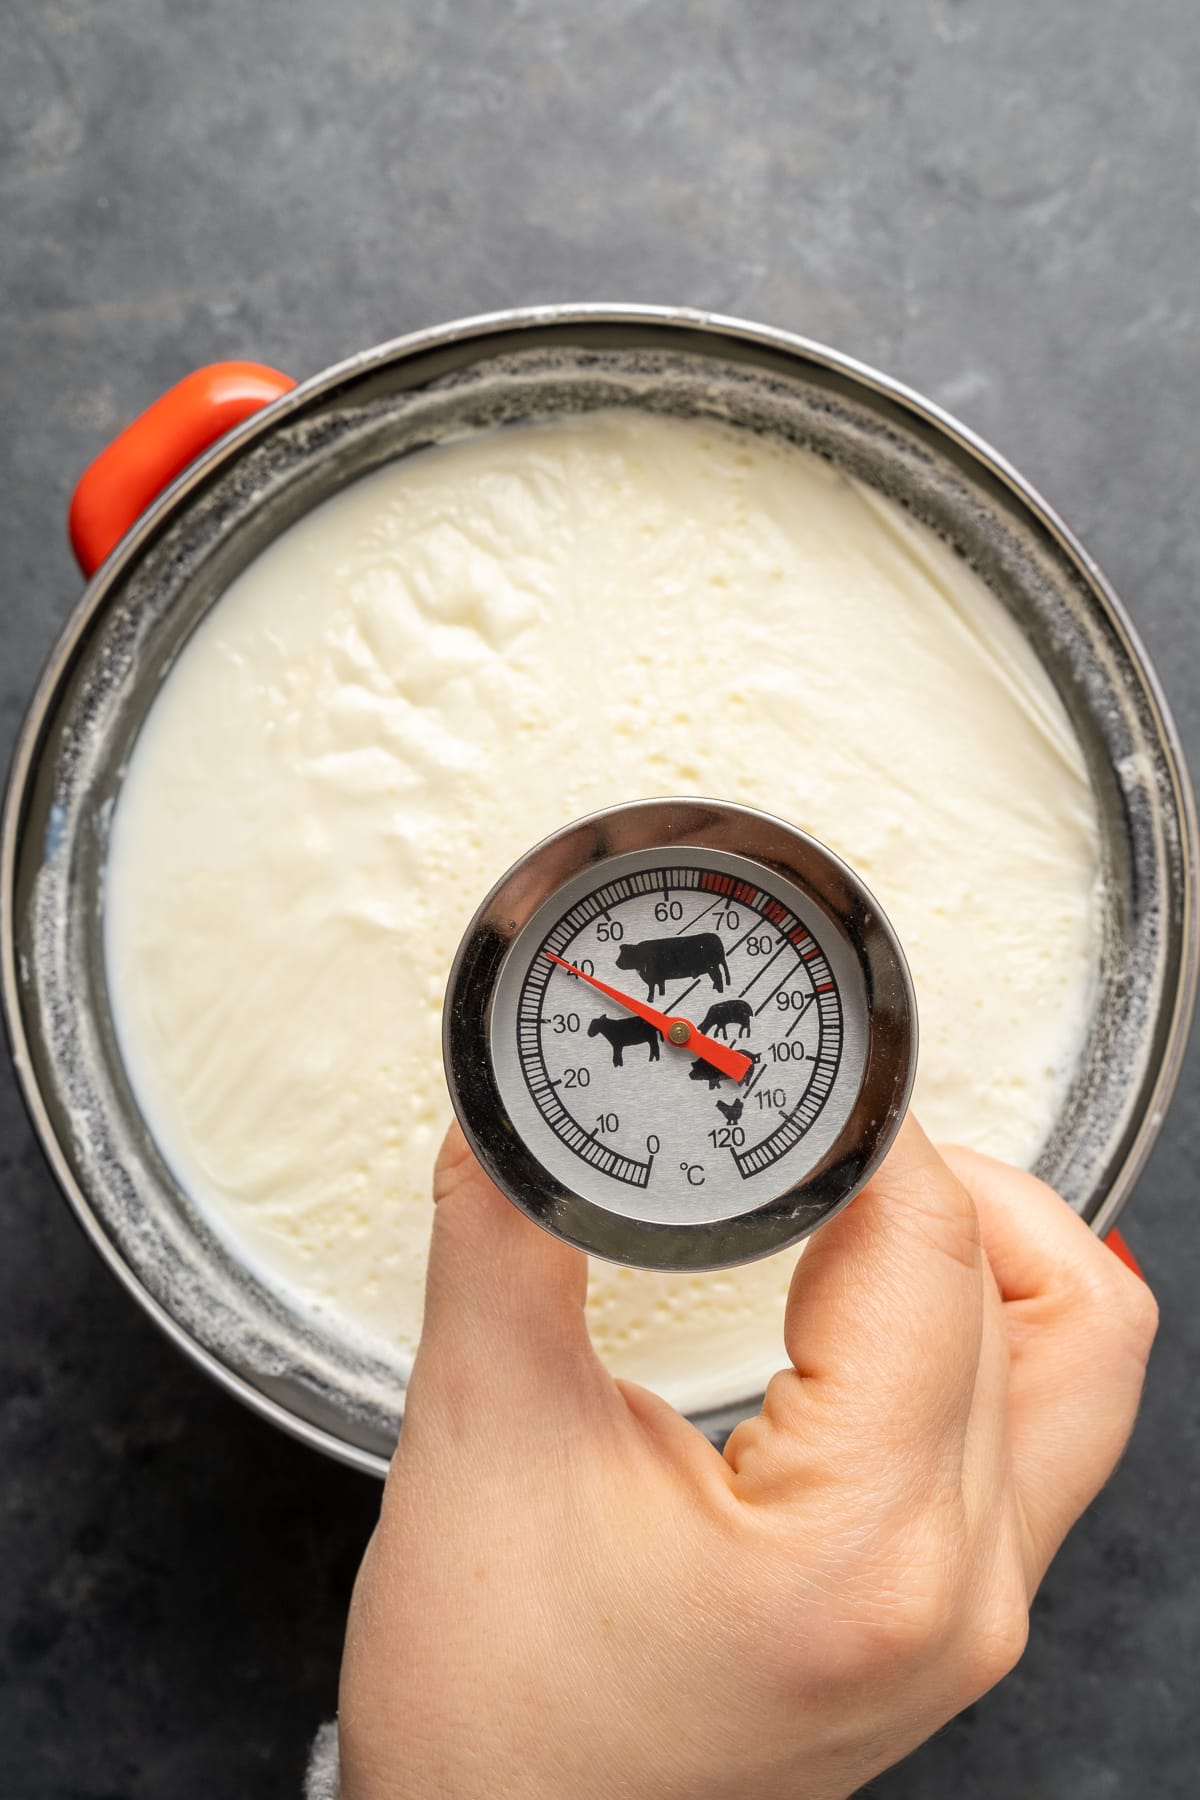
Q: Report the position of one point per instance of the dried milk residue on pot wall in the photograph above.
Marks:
(463, 652)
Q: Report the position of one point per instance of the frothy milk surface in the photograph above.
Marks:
(478, 644)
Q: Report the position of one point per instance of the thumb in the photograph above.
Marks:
(884, 1329)
(505, 1334)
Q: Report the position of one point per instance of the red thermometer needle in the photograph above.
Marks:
(733, 1063)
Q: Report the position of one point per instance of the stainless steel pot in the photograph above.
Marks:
(181, 555)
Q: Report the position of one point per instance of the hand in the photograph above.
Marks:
(572, 1596)
(734, 1063)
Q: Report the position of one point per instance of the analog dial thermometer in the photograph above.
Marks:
(680, 1033)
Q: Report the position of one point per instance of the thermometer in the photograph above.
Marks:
(680, 1034)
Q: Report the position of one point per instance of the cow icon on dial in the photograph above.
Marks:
(659, 960)
(680, 1033)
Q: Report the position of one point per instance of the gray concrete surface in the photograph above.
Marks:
(995, 203)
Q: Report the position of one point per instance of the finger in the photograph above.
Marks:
(883, 1328)
(1116, 1243)
(1079, 1327)
(985, 1453)
(504, 1334)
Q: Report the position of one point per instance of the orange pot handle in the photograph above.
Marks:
(119, 485)
(1120, 1248)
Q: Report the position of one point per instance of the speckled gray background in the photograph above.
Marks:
(997, 203)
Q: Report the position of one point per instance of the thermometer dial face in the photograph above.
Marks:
(677, 1044)
(647, 1127)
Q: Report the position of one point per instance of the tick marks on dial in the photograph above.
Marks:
(647, 925)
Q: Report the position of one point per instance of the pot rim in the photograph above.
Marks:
(24, 761)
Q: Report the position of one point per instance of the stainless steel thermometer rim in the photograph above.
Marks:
(779, 850)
